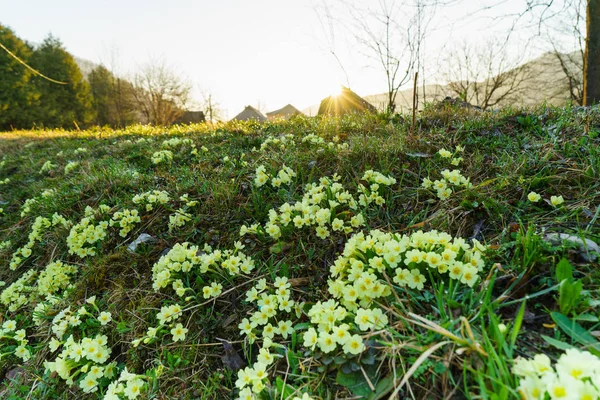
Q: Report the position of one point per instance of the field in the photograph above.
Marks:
(314, 258)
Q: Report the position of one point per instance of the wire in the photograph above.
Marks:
(30, 68)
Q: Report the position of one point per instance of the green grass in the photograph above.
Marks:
(439, 342)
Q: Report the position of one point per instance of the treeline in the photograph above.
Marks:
(27, 100)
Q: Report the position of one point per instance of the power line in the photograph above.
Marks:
(30, 68)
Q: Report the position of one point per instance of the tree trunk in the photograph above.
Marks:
(591, 74)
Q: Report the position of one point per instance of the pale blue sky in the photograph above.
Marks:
(245, 52)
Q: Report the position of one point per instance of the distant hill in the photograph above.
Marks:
(86, 66)
(548, 83)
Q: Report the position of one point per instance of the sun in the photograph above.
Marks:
(337, 91)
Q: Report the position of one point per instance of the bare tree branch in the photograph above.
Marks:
(160, 93)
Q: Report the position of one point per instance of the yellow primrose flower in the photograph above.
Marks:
(22, 353)
(444, 153)
(363, 319)
(327, 342)
(133, 388)
(89, 384)
(456, 161)
(178, 332)
(310, 338)
(9, 325)
(341, 333)
(105, 317)
(534, 197)
(322, 232)
(556, 200)
(354, 345)
(265, 357)
(469, 276)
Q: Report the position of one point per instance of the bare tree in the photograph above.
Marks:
(543, 12)
(160, 93)
(486, 75)
(566, 37)
(391, 34)
(211, 108)
(328, 27)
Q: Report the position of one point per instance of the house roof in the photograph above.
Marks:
(284, 112)
(250, 113)
(347, 101)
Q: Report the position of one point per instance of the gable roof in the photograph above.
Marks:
(284, 112)
(250, 113)
(344, 103)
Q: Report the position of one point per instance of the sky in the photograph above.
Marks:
(265, 53)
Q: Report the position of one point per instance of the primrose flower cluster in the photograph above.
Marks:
(289, 141)
(71, 166)
(53, 279)
(128, 386)
(85, 361)
(450, 179)
(272, 322)
(576, 375)
(82, 359)
(126, 220)
(444, 186)
(68, 318)
(49, 193)
(334, 325)
(283, 177)
(162, 157)
(185, 258)
(26, 207)
(17, 293)
(167, 317)
(312, 138)
(47, 167)
(372, 193)
(454, 159)
(281, 142)
(176, 142)
(554, 200)
(14, 341)
(86, 233)
(272, 318)
(251, 380)
(325, 206)
(270, 302)
(359, 273)
(38, 227)
(152, 199)
(181, 216)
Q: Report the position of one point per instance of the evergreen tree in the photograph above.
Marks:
(16, 92)
(60, 105)
(112, 98)
(100, 80)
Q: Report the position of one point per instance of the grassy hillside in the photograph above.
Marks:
(310, 258)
